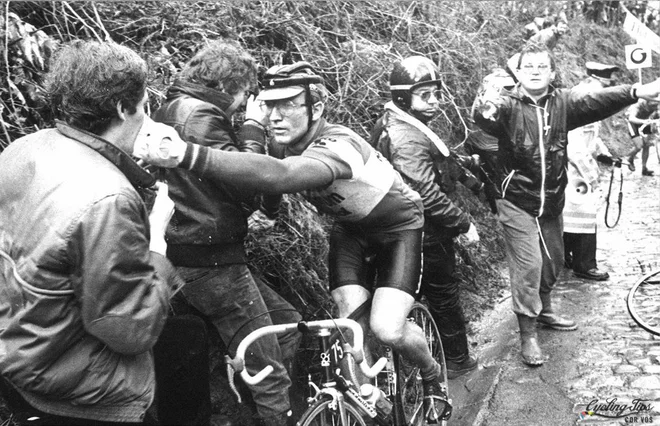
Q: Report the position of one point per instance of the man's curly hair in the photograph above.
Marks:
(222, 65)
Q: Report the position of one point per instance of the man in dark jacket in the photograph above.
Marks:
(531, 123)
(84, 280)
(209, 226)
(422, 158)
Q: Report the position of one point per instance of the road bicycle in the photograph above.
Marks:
(392, 396)
(643, 302)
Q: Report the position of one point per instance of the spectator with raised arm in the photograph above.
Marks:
(376, 214)
(531, 123)
(83, 275)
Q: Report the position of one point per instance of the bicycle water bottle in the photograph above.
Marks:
(377, 399)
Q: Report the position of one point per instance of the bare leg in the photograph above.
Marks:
(389, 323)
(639, 143)
(645, 157)
(349, 297)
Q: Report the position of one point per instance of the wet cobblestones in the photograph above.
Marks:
(618, 362)
(608, 371)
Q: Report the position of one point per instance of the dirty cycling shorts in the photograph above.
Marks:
(374, 259)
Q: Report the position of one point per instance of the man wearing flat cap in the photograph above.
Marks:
(582, 195)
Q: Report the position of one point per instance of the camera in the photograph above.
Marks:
(466, 176)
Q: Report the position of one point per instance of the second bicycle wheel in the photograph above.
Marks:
(410, 392)
(644, 302)
(320, 414)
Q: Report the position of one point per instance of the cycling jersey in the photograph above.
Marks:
(376, 213)
(366, 190)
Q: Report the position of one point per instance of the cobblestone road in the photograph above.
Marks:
(610, 365)
(618, 359)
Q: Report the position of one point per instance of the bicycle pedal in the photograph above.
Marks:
(433, 415)
(447, 412)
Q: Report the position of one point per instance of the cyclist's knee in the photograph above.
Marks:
(388, 333)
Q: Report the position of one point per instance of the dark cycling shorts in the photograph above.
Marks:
(375, 259)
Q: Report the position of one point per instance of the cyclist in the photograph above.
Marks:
(376, 213)
(641, 127)
(402, 135)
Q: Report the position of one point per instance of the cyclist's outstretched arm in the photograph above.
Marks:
(259, 172)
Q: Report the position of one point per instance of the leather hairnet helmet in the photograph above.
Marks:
(409, 74)
(287, 81)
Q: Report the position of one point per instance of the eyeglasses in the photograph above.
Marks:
(286, 108)
(437, 94)
(529, 68)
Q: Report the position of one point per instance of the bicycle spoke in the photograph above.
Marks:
(409, 381)
(321, 414)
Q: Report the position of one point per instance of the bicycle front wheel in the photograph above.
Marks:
(410, 394)
(321, 414)
(644, 302)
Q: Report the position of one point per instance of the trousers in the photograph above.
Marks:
(535, 254)
(441, 289)
(237, 303)
(580, 251)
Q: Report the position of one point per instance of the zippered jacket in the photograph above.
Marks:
(532, 139)
(82, 298)
(419, 161)
(210, 220)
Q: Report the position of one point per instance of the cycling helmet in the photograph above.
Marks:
(409, 74)
(287, 81)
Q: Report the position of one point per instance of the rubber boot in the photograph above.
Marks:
(549, 318)
(530, 349)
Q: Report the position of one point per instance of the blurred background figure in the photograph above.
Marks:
(582, 196)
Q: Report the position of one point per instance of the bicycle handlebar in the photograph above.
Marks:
(238, 362)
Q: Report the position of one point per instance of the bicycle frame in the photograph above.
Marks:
(333, 385)
(339, 397)
(238, 362)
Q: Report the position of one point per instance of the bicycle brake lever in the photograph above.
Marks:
(238, 365)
